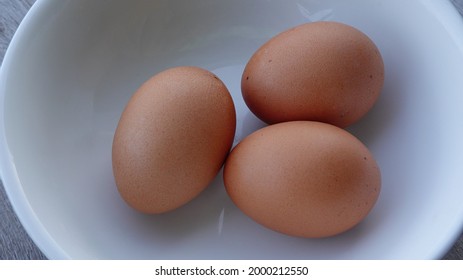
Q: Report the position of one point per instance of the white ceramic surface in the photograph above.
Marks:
(73, 65)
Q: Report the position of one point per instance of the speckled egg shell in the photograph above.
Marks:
(172, 139)
(322, 71)
(303, 178)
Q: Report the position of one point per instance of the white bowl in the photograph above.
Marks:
(73, 65)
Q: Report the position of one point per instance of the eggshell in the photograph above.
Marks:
(320, 71)
(172, 139)
(303, 178)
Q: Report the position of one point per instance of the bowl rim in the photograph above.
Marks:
(39, 11)
(44, 9)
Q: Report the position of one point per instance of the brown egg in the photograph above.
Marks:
(321, 71)
(172, 139)
(303, 178)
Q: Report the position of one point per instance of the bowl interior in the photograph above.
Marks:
(75, 64)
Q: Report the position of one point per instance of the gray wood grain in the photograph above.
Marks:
(14, 241)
